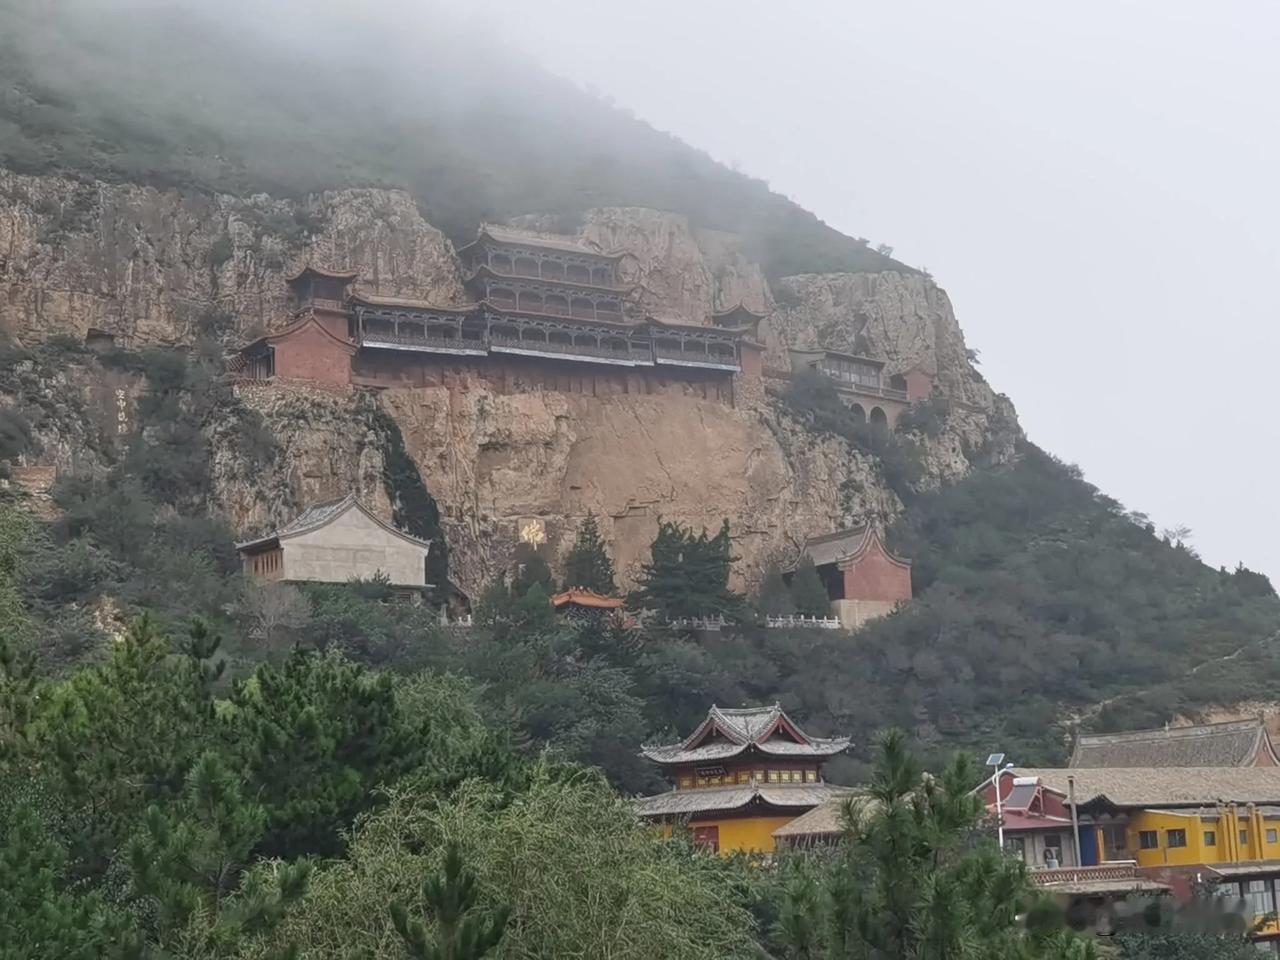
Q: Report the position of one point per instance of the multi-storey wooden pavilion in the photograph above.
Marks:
(740, 776)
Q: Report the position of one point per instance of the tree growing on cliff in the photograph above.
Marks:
(688, 574)
(587, 564)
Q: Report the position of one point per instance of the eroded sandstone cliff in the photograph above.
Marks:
(161, 267)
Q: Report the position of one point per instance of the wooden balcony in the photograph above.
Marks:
(707, 361)
(420, 344)
(631, 357)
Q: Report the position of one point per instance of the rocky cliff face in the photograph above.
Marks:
(905, 320)
(160, 267)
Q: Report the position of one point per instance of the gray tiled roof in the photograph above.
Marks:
(834, 547)
(824, 820)
(676, 803)
(1232, 744)
(1164, 786)
(741, 730)
(317, 515)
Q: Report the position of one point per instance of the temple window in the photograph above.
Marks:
(552, 270)
(811, 776)
(557, 304)
(526, 300)
(577, 273)
(602, 276)
(583, 309)
(500, 262)
(775, 776)
(526, 267)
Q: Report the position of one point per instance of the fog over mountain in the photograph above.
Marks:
(1093, 185)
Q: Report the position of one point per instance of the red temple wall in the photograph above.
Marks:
(874, 576)
(311, 354)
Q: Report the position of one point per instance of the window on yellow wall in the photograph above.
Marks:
(811, 776)
(1271, 835)
(744, 776)
(1244, 836)
(686, 782)
(1210, 838)
(1175, 838)
(775, 776)
(1148, 839)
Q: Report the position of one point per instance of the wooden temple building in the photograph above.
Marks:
(871, 395)
(546, 313)
(863, 579)
(741, 775)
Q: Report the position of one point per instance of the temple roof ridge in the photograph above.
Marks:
(321, 514)
(515, 236)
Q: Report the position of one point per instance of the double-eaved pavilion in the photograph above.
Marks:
(741, 775)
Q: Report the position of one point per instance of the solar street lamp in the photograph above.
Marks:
(996, 762)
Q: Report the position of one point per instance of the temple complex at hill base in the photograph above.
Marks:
(1234, 743)
(336, 542)
(863, 579)
(739, 777)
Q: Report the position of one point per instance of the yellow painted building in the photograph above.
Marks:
(1180, 824)
(740, 776)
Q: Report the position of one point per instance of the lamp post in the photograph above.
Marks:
(996, 762)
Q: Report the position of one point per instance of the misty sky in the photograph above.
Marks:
(1095, 184)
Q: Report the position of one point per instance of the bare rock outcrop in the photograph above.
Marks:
(904, 319)
(492, 460)
(158, 267)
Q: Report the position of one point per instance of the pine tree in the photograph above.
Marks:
(688, 575)
(190, 862)
(773, 599)
(40, 917)
(314, 737)
(587, 564)
(462, 933)
(911, 882)
(807, 592)
(531, 568)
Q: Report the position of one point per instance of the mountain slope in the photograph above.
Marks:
(1037, 597)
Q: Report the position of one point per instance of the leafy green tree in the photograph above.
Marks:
(687, 574)
(807, 590)
(462, 932)
(314, 736)
(190, 863)
(582, 876)
(587, 564)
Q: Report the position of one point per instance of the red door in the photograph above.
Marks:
(708, 837)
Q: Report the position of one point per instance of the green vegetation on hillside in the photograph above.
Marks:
(229, 98)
